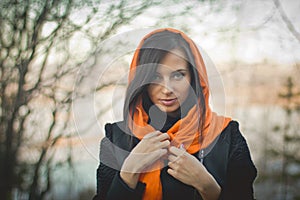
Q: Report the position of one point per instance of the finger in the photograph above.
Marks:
(161, 145)
(176, 151)
(173, 165)
(162, 137)
(172, 158)
(182, 147)
(172, 172)
(154, 156)
(176, 163)
(152, 134)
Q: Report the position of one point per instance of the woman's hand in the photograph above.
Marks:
(152, 147)
(187, 169)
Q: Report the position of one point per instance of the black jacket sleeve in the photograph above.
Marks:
(109, 183)
(105, 171)
(241, 171)
(120, 190)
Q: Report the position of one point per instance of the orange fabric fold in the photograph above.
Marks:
(185, 131)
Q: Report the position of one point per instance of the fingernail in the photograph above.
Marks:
(181, 147)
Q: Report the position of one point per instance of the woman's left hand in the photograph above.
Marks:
(189, 170)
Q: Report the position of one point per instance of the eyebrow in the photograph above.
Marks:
(178, 70)
(181, 70)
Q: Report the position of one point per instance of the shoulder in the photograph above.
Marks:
(114, 130)
(114, 147)
(232, 127)
(233, 134)
(119, 135)
(237, 138)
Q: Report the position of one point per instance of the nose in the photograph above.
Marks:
(166, 88)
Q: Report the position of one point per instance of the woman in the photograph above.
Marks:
(170, 144)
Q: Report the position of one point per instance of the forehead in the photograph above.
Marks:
(173, 61)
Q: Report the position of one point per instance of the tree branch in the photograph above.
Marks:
(286, 20)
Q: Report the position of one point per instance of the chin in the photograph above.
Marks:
(169, 110)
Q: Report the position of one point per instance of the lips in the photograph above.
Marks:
(168, 102)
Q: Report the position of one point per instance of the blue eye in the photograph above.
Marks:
(156, 77)
(177, 76)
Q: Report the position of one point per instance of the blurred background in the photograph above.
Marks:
(64, 71)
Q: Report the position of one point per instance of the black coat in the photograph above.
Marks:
(227, 159)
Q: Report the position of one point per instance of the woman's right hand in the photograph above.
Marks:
(152, 147)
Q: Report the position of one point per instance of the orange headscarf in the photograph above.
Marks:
(184, 131)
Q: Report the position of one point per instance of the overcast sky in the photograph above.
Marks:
(246, 30)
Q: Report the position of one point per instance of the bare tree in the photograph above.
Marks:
(291, 27)
(285, 148)
(38, 66)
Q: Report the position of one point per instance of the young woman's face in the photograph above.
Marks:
(170, 85)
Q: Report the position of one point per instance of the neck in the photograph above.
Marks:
(158, 119)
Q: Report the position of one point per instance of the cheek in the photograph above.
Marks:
(152, 91)
(183, 90)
